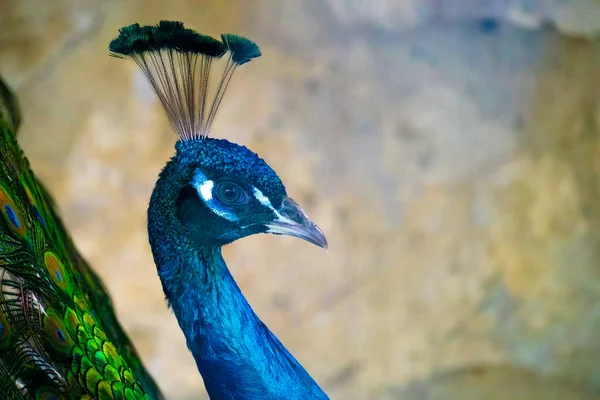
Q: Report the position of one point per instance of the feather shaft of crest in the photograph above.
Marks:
(178, 62)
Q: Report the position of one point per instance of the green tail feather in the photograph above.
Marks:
(59, 337)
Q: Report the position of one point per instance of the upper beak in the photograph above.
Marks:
(291, 220)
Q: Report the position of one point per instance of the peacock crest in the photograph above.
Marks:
(178, 62)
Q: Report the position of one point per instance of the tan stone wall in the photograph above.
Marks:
(454, 169)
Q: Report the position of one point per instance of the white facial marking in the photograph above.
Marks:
(204, 188)
(199, 180)
(222, 213)
(264, 200)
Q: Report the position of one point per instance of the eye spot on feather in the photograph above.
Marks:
(58, 336)
(11, 213)
(38, 215)
(56, 270)
(12, 216)
(34, 206)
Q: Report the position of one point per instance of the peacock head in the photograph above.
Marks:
(212, 191)
(219, 192)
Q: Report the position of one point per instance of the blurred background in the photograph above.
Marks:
(450, 149)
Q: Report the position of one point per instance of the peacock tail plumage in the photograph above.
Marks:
(59, 337)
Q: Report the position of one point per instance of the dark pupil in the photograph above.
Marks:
(230, 193)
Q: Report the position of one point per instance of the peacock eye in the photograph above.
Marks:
(229, 193)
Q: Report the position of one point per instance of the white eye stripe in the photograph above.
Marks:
(222, 213)
(264, 200)
(199, 180)
(204, 188)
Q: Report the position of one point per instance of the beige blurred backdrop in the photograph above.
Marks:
(453, 162)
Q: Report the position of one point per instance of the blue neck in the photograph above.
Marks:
(236, 354)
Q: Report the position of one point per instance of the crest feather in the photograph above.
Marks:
(242, 49)
(177, 61)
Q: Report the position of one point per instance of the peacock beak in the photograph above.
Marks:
(292, 221)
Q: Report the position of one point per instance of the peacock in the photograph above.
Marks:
(59, 338)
